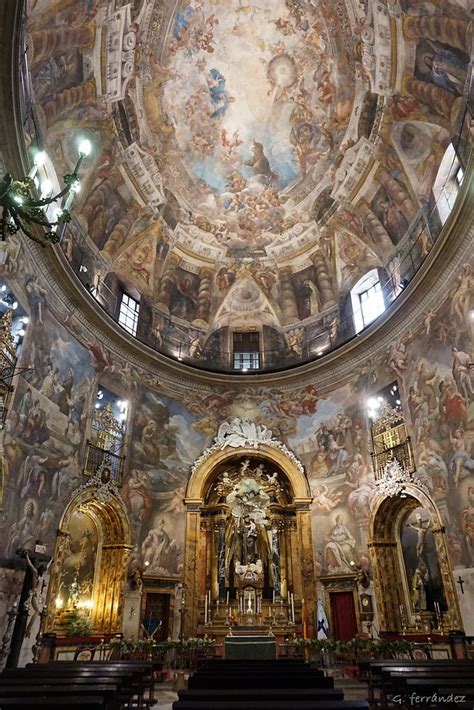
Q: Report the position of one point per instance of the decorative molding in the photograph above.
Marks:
(242, 433)
(394, 480)
(101, 486)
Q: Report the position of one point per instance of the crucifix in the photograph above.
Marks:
(461, 581)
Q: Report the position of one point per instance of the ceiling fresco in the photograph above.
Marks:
(252, 160)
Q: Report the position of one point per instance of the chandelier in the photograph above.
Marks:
(21, 208)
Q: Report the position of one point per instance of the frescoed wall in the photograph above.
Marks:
(286, 142)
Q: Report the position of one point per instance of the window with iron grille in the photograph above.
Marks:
(246, 350)
(128, 314)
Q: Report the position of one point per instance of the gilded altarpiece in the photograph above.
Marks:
(407, 541)
(248, 556)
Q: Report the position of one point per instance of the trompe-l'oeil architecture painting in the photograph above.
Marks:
(251, 163)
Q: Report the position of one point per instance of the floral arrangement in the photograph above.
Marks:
(383, 648)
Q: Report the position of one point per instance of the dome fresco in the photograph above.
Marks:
(252, 160)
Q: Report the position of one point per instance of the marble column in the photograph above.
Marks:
(46, 43)
(323, 280)
(381, 242)
(168, 280)
(398, 194)
(121, 231)
(204, 297)
(438, 99)
(287, 297)
(439, 28)
(68, 100)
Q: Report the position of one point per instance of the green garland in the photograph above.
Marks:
(382, 648)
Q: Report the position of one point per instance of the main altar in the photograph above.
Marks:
(248, 560)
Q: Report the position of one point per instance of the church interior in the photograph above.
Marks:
(237, 380)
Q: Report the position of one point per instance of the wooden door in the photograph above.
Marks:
(157, 609)
(343, 615)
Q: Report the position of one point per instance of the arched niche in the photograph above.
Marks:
(398, 604)
(90, 561)
(207, 515)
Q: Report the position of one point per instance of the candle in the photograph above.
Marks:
(274, 596)
(269, 611)
(293, 607)
(227, 602)
(205, 609)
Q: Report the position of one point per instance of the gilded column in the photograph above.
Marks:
(307, 574)
(287, 296)
(168, 279)
(385, 567)
(439, 28)
(121, 230)
(46, 43)
(323, 280)
(455, 619)
(191, 572)
(204, 297)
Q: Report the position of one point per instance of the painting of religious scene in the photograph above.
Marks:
(441, 64)
(164, 446)
(425, 584)
(245, 148)
(76, 583)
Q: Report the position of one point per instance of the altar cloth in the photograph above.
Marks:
(250, 648)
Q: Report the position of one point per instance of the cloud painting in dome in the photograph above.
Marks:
(252, 93)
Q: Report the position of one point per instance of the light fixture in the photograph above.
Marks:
(25, 320)
(100, 394)
(21, 209)
(3, 288)
(21, 332)
(245, 369)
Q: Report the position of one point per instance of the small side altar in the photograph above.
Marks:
(250, 644)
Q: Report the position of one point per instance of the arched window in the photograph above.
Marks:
(367, 300)
(448, 181)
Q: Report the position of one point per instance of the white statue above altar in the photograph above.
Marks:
(242, 432)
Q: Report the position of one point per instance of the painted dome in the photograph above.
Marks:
(252, 160)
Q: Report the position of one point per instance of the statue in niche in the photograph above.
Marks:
(246, 538)
(420, 579)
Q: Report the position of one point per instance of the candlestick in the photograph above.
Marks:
(274, 596)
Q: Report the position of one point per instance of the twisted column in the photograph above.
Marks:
(122, 229)
(46, 43)
(168, 279)
(398, 194)
(99, 197)
(381, 242)
(69, 99)
(204, 296)
(323, 280)
(439, 28)
(440, 100)
(287, 297)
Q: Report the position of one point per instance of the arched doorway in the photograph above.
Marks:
(90, 559)
(407, 543)
(248, 548)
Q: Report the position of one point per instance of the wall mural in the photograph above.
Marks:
(229, 143)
